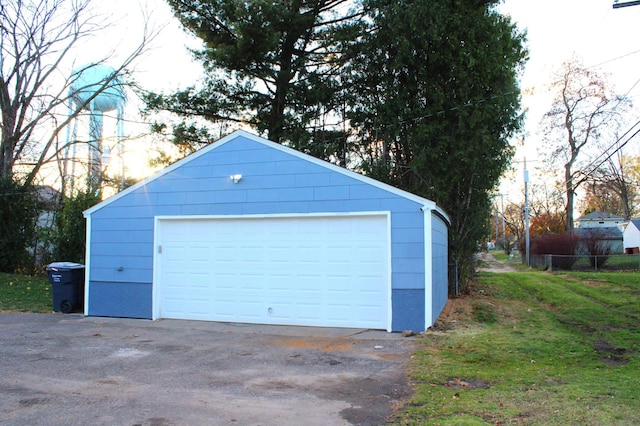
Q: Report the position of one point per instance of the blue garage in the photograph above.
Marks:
(247, 230)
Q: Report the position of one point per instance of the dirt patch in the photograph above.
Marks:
(594, 283)
(611, 355)
(466, 311)
(488, 263)
(456, 383)
(457, 309)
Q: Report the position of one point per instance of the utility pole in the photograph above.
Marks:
(526, 211)
(504, 229)
(500, 212)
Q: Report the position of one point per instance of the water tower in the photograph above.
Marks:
(97, 89)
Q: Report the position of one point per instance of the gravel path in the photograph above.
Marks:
(489, 263)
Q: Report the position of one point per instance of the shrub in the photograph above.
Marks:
(69, 238)
(594, 242)
(562, 247)
(19, 210)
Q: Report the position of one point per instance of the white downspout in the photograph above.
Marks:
(87, 266)
(428, 267)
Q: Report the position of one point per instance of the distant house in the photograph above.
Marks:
(599, 220)
(610, 236)
(631, 237)
(50, 200)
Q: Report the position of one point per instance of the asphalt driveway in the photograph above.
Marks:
(69, 369)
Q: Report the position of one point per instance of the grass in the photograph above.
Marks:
(23, 293)
(532, 348)
(500, 254)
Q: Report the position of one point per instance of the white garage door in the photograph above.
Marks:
(310, 270)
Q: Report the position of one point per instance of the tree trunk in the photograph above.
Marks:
(6, 157)
(8, 123)
(570, 194)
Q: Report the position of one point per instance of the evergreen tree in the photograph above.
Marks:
(19, 210)
(436, 100)
(272, 65)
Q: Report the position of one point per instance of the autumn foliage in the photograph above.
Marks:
(546, 223)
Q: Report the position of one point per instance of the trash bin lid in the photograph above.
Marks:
(64, 265)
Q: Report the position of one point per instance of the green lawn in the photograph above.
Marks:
(533, 348)
(23, 293)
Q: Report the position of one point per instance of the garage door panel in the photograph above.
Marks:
(331, 271)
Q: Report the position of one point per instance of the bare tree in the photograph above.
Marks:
(584, 110)
(546, 199)
(37, 38)
(515, 220)
(595, 243)
(612, 187)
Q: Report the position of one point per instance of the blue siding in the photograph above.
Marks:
(116, 299)
(440, 267)
(273, 182)
(410, 280)
(408, 309)
(408, 250)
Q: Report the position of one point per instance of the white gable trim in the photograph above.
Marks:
(427, 204)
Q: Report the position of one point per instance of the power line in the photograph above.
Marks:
(608, 61)
(616, 150)
(596, 167)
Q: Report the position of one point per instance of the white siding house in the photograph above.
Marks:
(599, 220)
(631, 236)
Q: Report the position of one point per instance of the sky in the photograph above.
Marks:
(604, 38)
(164, 66)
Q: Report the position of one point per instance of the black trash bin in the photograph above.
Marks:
(67, 283)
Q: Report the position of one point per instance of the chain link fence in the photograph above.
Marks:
(611, 262)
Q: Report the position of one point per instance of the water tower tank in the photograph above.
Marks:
(98, 78)
(98, 89)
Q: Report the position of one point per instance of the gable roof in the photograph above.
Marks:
(603, 233)
(427, 204)
(600, 216)
(49, 196)
(636, 223)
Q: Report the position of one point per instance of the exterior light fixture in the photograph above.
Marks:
(235, 178)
